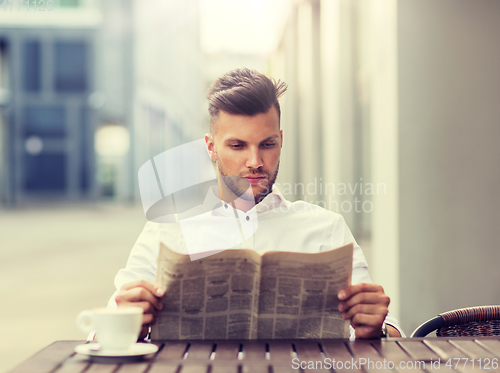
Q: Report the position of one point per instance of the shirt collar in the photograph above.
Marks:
(273, 200)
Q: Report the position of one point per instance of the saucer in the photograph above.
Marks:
(134, 352)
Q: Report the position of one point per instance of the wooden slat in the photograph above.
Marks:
(225, 368)
(444, 348)
(133, 368)
(254, 368)
(464, 365)
(338, 351)
(390, 350)
(472, 349)
(415, 369)
(470, 367)
(492, 345)
(163, 367)
(172, 350)
(363, 349)
(75, 364)
(435, 369)
(59, 356)
(368, 357)
(310, 355)
(48, 358)
(194, 368)
(317, 369)
(227, 350)
(200, 350)
(418, 350)
(80, 363)
(312, 362)
(308, 350)
(254, 350)
(102, 368)
(374, 364)
(280, 351)
(392, 358)
(284, 369)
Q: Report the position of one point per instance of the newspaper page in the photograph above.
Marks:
(298, 294)
(211, 298)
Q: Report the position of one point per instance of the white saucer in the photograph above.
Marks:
(137, 350)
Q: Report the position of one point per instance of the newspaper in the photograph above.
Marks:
(241, 294)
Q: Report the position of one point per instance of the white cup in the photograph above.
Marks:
(116, 328)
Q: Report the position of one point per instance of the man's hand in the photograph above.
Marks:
(145, 295)
(366, 306)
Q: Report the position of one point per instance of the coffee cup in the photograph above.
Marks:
(116, 328)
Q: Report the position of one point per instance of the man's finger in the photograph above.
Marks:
(138, 294)
(148, 319)
(364, 287)
(367, 309)
(153, 288)
(364, 298)
(361, 319)
(149, 308)
(367, 332)
(146, 307)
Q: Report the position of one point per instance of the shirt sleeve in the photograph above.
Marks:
(342, 236)
(141, 264)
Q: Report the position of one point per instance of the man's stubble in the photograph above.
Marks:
(233, 185)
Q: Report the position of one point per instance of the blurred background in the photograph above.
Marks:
(399, 95)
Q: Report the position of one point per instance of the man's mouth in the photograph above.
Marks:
(255, 179)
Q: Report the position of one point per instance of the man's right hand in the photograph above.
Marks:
(145, 295)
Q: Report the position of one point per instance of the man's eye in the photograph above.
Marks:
(236, 146)
(269, 144)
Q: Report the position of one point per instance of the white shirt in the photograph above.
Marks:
(274, 224)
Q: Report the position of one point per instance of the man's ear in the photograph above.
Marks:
(209, 141)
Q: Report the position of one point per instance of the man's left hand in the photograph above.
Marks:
(366, 306)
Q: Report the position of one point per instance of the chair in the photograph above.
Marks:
(472, 321)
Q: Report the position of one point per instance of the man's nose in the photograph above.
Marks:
(254, 159)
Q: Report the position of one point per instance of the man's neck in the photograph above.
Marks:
(244, 203)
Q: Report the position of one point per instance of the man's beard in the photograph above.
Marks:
(234, 184)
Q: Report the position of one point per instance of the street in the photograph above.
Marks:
(54, 262)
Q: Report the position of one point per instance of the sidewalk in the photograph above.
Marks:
(55, 262)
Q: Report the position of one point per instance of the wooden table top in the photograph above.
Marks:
(477, 354)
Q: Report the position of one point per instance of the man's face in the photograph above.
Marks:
(247, 150)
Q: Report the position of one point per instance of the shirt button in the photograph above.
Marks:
(225, 206)
(248, 218)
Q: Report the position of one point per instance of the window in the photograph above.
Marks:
(44, 121)
(45, 172)
(31, 66)
(70, 67)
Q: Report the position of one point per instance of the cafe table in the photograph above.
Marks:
(430, 355)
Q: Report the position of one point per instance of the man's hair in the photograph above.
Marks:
(245, 92)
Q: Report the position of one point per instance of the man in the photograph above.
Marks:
(245, 141)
